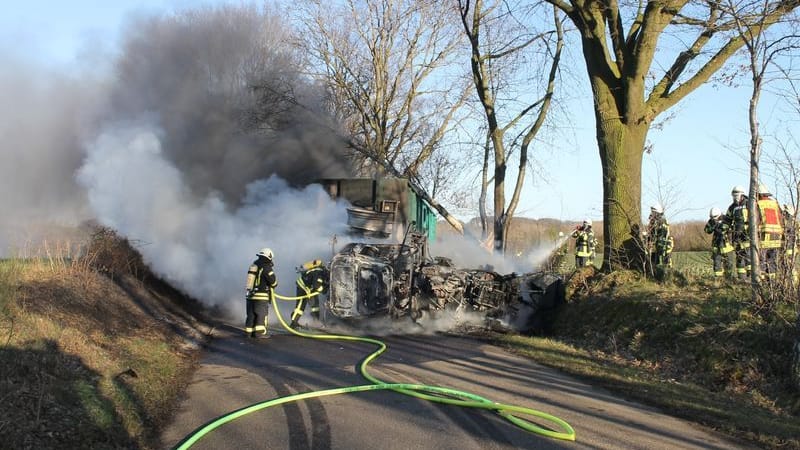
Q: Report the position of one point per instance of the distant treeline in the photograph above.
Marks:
(526, 234)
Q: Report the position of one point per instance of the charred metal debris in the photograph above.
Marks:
(369, 280)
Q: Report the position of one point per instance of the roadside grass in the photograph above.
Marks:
(729, 413)
(84, 364)
(692, 346)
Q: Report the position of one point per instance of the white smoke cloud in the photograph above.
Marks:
(202, 245)
(469, 253)
(538, 255)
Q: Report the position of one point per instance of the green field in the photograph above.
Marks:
(693, 264)
(690, 264)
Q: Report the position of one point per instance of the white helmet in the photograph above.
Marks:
(657, 208)
(714, 213)
(737, 190)
(587, 222)
(266, 252)
(763, 189)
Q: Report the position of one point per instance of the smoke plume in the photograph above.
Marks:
(200, 144)
(199, 243)
(210, 138)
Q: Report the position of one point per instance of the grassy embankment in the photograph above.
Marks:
(93, 351)
(695, 348)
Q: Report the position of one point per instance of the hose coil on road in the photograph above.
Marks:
(437, 394)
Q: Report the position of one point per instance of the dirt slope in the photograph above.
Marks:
(92, 358)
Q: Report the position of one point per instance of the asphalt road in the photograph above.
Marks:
(236, 372)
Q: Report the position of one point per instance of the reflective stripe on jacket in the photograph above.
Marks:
(720, 242)
(736, 218)
(584, 242)
(312, 280)
(260, 280)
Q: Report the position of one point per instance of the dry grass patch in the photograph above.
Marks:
(90, 357)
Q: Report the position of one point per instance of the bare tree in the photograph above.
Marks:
(620, 42)
(498, 35)
(388, 68)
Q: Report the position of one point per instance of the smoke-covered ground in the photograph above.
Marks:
(197, 139)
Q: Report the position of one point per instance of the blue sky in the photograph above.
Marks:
(699, 153)
(57, 30)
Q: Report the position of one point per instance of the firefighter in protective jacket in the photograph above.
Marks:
(770, 231)
(721, 245)
(584, 244)
(736, 218)
(661, 241)
(312, 279)
(261, 281)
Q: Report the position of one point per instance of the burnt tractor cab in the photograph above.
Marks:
(395, 281)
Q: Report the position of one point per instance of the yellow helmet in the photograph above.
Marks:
(312, 264)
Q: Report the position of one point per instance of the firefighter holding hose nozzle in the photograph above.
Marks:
(584, 244)
(261, 280)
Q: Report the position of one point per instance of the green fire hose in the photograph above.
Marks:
(437, 394)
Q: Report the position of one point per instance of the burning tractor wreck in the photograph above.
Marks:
(401, 281)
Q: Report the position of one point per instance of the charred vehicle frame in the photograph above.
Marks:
(369, 280)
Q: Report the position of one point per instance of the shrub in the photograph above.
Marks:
(109, 253)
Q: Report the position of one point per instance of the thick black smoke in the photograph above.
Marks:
(225, 86)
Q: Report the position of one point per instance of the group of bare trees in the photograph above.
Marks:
(404, 76)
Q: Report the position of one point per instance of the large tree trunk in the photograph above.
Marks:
(621, 143)
(621, 153)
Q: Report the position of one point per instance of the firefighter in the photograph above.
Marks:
(770, 231)
(736, 218)
(261, 280)
(720, 241)
(584, 244)
(312, 279)
(661, 241)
